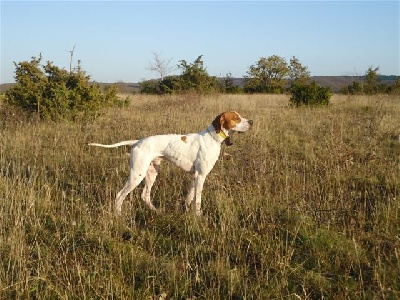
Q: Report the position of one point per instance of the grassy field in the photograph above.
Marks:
(304, 206)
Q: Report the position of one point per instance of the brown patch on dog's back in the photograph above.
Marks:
(183, 138)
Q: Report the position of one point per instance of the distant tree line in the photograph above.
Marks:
(371, 85)
(271, 74)
(54, 93)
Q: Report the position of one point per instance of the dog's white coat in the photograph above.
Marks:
(196, 153)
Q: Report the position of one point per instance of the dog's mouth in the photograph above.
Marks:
(249, 125)
(243, 131)
(244, 127)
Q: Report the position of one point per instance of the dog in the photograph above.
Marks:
(195, 153)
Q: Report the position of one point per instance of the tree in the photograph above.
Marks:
(161, 66)
(194, 77)
(356, 88)
(396, 87)
(54, 93)
(371, 81)
(268, 75)
(27, 93)
(298, 72)
(228, 85)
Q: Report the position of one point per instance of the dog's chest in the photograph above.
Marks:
(192, 152)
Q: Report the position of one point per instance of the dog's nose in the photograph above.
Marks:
(251, 122)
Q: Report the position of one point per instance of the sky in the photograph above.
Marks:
(115, 40)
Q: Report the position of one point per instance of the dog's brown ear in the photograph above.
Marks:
(217, 123)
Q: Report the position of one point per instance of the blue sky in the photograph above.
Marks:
(115, 39)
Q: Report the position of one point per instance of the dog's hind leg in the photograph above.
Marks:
(138, 171)
(151, 175)
(129, 186)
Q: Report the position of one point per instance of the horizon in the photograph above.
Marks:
(386, 77)
(115, 41)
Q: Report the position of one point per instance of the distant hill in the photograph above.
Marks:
(336, 82)
(5, 86)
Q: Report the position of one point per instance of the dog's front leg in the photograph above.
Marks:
(190, 195)
(194, 192)
(199, 182)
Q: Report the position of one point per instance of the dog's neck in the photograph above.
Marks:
(220, 136)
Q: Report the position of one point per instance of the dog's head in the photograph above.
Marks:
(229, 122)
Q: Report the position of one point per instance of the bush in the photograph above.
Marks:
(150, 87)
(166, 86)
(194, 78)
(54, 93)
(310, 94)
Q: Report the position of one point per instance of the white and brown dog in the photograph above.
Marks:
(196, 153)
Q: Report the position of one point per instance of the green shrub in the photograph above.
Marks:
(194, 78)
(54, 93)
(150, 87)
(166, 86)
(310, 94)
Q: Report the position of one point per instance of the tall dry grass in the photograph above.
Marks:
(306, 205)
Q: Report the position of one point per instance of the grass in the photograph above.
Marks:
(305, 206)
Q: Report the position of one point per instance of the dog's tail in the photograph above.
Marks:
(123, 143)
